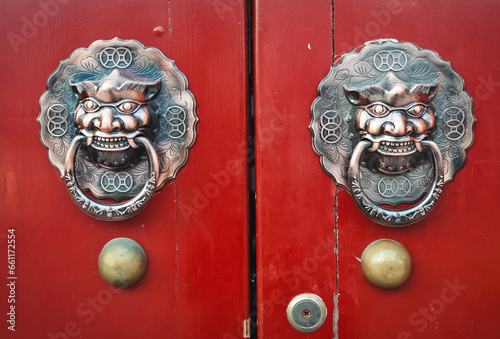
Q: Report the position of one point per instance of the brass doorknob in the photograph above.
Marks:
(386, 264)
(122, 262)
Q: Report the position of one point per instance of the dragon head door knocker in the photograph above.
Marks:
(392, 124)
(117, 120)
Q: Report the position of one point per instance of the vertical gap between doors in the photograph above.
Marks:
(251, 175)
(336, 312)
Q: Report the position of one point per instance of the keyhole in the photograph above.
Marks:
(306, 313)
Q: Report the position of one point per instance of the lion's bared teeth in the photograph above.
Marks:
(111, 144)
(395, 147)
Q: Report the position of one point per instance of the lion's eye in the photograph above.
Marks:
(417, 110)
(90, 105)
(128, 107)
(378, 110)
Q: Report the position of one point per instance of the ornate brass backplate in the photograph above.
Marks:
(117, 119)
(392, 124)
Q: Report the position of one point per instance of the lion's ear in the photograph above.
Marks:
(425, 92)
(364, 96)
(81, 89)
(432, 92)
(152, 90)
(353, 96)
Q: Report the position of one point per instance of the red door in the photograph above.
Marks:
(194, 232)
(311, 235)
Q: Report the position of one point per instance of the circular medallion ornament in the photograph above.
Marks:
(57, 124)
(401, 112)
(110, 95)
(331, 129)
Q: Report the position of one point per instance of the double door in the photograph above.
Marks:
(197, 230)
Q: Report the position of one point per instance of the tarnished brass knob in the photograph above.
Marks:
(386, 264)
(122, 262)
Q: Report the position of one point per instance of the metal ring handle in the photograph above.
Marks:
(112, 212)
(390, 217)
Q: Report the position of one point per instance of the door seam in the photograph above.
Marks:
(251, 172)
(337, 276)
(336, 295)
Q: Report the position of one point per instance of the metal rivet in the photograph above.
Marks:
(306, 312)
(122, 262)
(386, 264)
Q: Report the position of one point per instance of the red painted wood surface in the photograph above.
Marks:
(457, 243)
(453, 290)
(295, 200)
(194, 231)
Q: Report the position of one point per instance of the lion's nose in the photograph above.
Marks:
(397, 125)
(106, 121)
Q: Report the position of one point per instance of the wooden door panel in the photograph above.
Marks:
(451, 291)
(295, 201)
(194, 231)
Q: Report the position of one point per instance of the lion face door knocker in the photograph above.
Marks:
(117, 119)
(392, 124)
